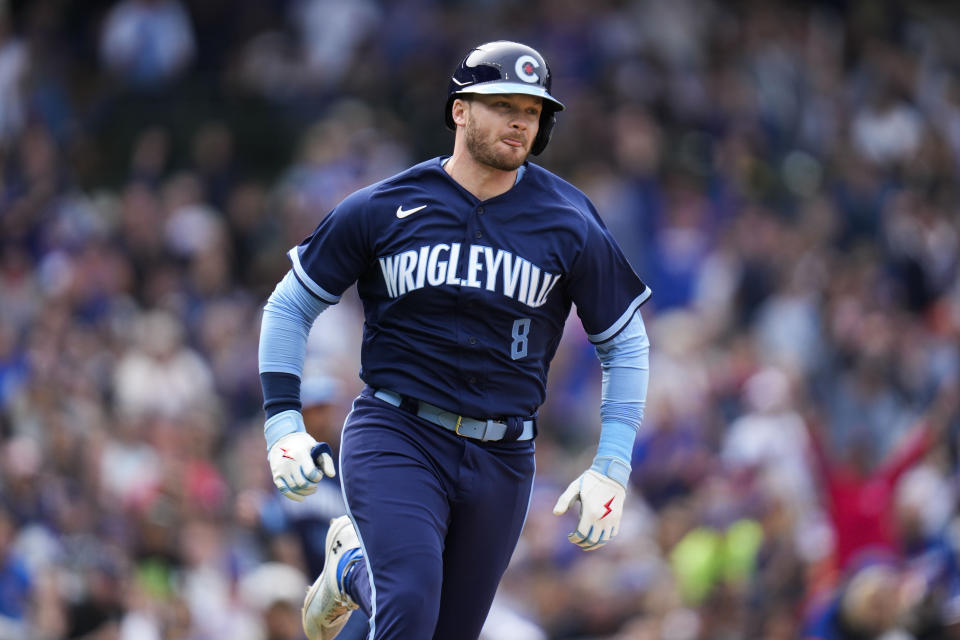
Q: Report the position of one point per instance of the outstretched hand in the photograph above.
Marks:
(601, 507)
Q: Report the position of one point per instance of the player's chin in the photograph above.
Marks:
(511, 154)
(510, 164)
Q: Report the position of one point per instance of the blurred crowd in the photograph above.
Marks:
(784, 175)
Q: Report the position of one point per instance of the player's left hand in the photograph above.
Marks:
(601, 506)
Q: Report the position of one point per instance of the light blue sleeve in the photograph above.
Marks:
(287, 317)
(625, 364)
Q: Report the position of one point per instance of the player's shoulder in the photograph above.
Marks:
(415, 178)
(561, 194)
(548, 181)
(410, 178)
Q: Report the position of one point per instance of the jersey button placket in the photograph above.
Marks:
(470, 300)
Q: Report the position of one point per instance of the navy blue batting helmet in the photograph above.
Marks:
(507, 67)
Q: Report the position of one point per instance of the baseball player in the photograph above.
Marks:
(467, 266)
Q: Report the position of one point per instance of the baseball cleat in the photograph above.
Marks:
(327, 608)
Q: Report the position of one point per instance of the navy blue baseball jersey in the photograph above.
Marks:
(465, 300)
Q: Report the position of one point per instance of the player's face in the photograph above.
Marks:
(500, 128)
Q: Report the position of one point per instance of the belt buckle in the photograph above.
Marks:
(456, 429)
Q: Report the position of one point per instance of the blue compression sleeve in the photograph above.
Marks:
(287, 318)
(625, 363)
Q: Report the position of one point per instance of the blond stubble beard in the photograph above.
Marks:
(484, 152)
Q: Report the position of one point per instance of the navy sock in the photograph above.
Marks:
(354, 580)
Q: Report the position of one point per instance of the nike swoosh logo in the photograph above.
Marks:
(462, 84)
(403, 213)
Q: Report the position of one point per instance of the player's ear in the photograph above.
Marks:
(459, 111)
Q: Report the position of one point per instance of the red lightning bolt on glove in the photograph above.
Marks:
(607, 507)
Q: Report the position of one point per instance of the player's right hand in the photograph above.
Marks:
(295, 473)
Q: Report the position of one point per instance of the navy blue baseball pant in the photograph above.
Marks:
(438, 515)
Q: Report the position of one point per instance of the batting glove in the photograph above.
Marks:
(601, 506)
(296, 471)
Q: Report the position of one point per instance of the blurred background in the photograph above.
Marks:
(784, 175)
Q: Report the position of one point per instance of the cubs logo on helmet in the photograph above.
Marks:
(525, 68)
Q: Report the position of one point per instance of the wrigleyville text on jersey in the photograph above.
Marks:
(486, 268)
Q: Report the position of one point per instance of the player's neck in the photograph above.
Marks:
(481, 180)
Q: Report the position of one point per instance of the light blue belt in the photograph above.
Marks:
(484, 430)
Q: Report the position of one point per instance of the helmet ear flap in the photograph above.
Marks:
(448, 114)
(547, 122)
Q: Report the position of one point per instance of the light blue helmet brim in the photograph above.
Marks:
(489, 88)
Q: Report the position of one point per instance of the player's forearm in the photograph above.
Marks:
(625, 363)
(287, 318)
